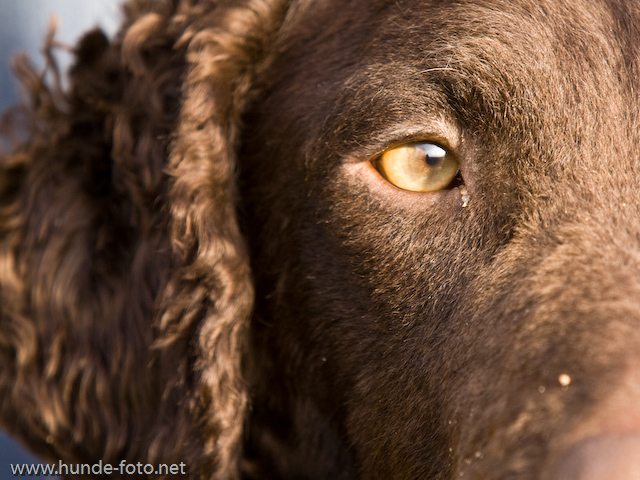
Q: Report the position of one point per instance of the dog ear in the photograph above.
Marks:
(126, 288)
(210, 299)
(85, 252)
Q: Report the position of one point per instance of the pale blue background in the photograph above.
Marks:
(23, 27)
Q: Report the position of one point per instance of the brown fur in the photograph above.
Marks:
(215, 149)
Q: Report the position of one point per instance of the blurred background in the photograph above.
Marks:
(24, 25)
(23, 28)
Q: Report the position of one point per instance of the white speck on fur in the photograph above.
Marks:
(464, 194)
(564, 380)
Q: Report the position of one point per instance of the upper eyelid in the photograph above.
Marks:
(444, 134)
(431, 139)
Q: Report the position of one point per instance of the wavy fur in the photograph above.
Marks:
(125, 283)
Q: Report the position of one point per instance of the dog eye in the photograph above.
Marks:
(417, 167)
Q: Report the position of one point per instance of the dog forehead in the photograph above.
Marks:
(415, 27)
(549, 69)
(545, 48)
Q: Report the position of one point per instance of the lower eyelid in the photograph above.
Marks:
(365, 174)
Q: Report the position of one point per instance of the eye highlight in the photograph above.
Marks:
(417, 167)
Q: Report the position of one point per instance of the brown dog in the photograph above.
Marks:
(391, 239)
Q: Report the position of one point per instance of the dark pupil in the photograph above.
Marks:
(434, 155)
(433, 161)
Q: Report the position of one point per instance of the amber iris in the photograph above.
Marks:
(417, 167)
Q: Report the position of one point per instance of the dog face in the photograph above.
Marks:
(434, 202)
(481, 328)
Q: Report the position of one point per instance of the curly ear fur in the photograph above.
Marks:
(211, 297)
(125, 285)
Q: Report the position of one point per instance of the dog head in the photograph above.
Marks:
(435, 203)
